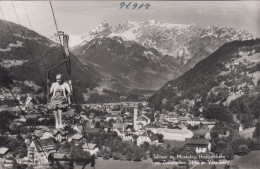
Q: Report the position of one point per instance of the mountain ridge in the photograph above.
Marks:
(186, 43)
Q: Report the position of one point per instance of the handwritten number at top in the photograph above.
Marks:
(130, 5)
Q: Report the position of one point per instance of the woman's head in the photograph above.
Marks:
(59, 78)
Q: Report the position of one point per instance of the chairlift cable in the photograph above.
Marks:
(55, 22)
(56, 25)
(28, 45)
(31, 130)
(34, 35)
(22, 112)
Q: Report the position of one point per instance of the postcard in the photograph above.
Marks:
(130, 84)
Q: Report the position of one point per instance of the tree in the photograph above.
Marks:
(137, 155)
(213, 167)
(97, 124)
(243, 150)
(257, 131)
(168, 146)
(5, 78)
(78, 153)
(227, 167)
(228, 153)
(116, 156)
(128, 156)
(214, 135)
(23, 152)
(5, 120)
(218, 112)
(65, 147)
(19, 138)
(159, 137)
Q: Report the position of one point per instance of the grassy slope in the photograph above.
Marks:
(249, 161)
(116, 164)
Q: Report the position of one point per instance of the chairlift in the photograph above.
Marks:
(65, 48)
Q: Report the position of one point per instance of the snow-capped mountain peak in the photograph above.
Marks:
(181, 41)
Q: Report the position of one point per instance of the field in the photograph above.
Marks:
(174, 144)
(116, 164)
(249, 161)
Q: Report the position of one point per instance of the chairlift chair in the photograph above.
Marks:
(66, 61)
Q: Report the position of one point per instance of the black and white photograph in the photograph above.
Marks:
(129, 84)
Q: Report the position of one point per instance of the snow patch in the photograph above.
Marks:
(127, 35)
(256, 77)
(12, 45)
(11, 63)
(146, 53)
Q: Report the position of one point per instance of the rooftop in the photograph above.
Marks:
(150, 126)
(77, 136)
(197, 141)
(91, 130)
(89, 146)
(141, 118)
(44, 143)
(149, 134)
(3, 150)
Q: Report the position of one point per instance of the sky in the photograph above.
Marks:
(79, 17)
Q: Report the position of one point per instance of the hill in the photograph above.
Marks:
(249, 161)
(16, 57)
(232, 70)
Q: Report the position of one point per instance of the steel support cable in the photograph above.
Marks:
(13, 94)
(55, 22)
(22, 112)
(34, 36)
(56, 26)
(28, 45)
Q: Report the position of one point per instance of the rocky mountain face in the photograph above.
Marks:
(188, 44)
(127, 65)
(17, 59)
(229, 77)
(145, 55)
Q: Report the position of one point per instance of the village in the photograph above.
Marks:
(130, 123)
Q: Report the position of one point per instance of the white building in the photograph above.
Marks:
(193, 122)
(140, 121)
(147, 136)
(200, 145)
(176, 133)
(91, 148)
(40, 149)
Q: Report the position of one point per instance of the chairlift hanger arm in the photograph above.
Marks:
(66, 52)
(61, 63)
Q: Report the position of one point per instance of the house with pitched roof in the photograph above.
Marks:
(91, 148)
(76, 138)
(40, 149)
(125, 131)
(200, 145)
(43, 133)
(153, 127)
(88, 130)
(147, 136)
(111, 116)
(143, 119)
(3, 151)
(178, 133)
